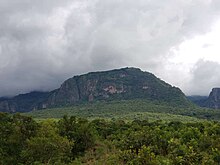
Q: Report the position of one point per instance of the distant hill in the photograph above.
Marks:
(212, 101)
(198, 100)
(23, 102)
(118, 84)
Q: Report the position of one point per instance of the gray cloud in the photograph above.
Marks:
(204, 76)
(46, 41)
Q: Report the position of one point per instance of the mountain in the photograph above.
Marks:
(23, 102)
(118, 84)
(212, 101)
(198, 100)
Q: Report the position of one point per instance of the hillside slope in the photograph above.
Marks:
(23, 102)
(118, 84)
(212, 101)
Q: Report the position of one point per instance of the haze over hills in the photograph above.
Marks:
(118, 84)
(212, 101)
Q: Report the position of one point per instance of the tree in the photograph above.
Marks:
(47, 146)
(14, 131)
(79, 131)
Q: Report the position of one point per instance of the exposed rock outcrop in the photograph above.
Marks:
(213, 100)
(125, 83)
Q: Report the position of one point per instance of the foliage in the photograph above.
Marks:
(79, 131)
(14, 132)
(73, 140)
(130, 110)
(47, 146)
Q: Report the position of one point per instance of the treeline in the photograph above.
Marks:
(127, 109)
(74, 140)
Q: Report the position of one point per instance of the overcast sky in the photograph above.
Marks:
(44, 42)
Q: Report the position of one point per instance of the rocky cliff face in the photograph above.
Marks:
(125, 83)
(213, 100)
(23, 102)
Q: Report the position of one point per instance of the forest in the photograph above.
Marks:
(73, 141)
(130, 110)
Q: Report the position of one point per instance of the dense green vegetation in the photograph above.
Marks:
(73, 141)
(130, 110)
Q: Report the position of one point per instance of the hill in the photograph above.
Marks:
(118, 84)
(198, 100)
(212, 101)
(23, 102)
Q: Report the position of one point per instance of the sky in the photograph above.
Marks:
(44, 42)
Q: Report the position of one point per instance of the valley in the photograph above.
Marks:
(122, 116)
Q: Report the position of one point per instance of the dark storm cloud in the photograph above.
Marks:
(46, 41)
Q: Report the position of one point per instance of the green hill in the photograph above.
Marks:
(118, 84)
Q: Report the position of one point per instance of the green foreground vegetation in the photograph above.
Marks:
(76, 141)
(130, 110)
(133, 132)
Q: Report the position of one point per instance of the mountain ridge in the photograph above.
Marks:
(211, 101)
(118, 84)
